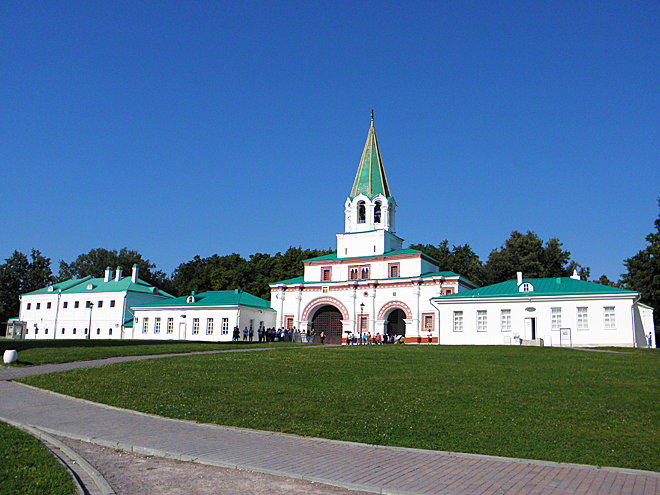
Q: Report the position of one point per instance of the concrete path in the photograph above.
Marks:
(349, 465)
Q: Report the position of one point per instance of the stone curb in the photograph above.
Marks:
(97, 478)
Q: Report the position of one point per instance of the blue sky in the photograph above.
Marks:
(192, 128)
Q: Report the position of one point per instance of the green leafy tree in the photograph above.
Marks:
(644, 272)
(461, 260)
(19, 275)
(97, 260)
(526, 253)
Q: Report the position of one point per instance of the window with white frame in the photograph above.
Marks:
(209, 326)
(556, 318)
(482, 321)
(145, 325)
(195, 328)
(458, 321)
(505, 320)
(157, 325)
(582, 319)
(225, 326)
(170, 325)
(610, 320)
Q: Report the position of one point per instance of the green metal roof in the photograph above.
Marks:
(80, 286)
(370, 179)
(560, 286)
(333, 256)
(234, 297)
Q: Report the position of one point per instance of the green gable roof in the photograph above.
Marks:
(560, 286)
(370, 179)
(98, 285)
(235, 297)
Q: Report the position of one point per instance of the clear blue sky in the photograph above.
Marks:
(192, 128)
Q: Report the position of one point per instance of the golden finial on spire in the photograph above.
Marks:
(372, 116)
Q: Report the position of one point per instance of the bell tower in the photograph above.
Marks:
(370, 210)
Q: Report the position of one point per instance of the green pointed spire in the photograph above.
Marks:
(370, 178)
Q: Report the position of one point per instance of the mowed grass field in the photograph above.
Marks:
(34, 352)
(554, 404)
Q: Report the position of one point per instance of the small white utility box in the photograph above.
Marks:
(10, 356)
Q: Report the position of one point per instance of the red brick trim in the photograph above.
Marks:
(322, 301)
(394, 305)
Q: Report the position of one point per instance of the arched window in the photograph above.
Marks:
(526, 287)
(362, 212)
(377, 212)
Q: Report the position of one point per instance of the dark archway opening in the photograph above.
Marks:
(395, 323)
(327, 319)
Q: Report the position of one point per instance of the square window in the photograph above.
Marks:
(76, 305)
(582, 319)
(88, 304)
(393, 270)
(48, 305)
(225, 326)
(170, 325)
(326, 274)
(38, 305)
(458, 321)
(482, 321)
(610, 318)
(505, 320)
(209, 326)
(556, 318)
(157, 325)
(100, 304)
(28, 305)
(145, 325)
(65, 304)
(112, 303)
(195, 328)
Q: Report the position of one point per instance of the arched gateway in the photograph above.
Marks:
(327, 319)
(325, 314)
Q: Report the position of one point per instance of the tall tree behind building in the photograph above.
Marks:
(18, 275)
(644, 272)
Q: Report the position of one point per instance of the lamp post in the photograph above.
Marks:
(361, 320)
(89, 331)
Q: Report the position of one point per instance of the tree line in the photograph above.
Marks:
(521, 252)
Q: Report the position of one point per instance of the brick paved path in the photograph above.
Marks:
(356, 466)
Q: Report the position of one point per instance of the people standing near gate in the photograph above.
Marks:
(430, 337)
(322, 336)
(251, 334)
(245, 333)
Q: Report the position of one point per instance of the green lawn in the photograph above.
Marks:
(32, 352)
(28, 468)
(541, 403)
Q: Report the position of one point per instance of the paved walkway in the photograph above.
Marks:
(350, 465)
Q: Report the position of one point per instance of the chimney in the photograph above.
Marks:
(575, 275)
(118, 275)
(519, 275)
(134, 275)
(107, 275)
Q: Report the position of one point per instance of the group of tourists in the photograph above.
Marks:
(368, 339)
(278, 335)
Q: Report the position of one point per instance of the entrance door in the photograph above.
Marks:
(328, 320)
(395, 323)
(530, 328)
(182, 330)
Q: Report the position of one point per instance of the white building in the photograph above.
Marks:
(370, 279)
(563, 311)
(67, 309)
(373, 285)
(209, 316)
